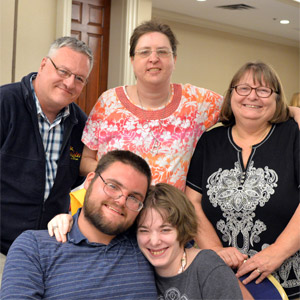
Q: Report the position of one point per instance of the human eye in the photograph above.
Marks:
(134, 200)
(167, 228)
(63, 73)
(244, 88)
(264, 90)
(163, 52)
(144, 52)
(142, 231)
(113, 187)
(80, 79)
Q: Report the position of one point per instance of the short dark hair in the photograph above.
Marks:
(152, 26)
(174, 207)
(260, 72)
(74, 44)
(125, 157)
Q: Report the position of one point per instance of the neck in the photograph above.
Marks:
(91, 232)
(254, 130)
(182, 262)
(247, 136)
(176, 267)
(149, 98)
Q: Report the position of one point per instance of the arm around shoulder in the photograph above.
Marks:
(295, 113)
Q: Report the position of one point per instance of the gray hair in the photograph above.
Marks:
(74, 44)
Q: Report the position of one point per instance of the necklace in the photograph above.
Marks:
(183, 262)
(156, 143)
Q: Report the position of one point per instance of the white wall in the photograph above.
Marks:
(39, 23)
(206, 57)
(209, 58)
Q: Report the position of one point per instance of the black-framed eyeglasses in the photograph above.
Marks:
(114, 191)
(63, 73)
(162, 53)
(261, 91)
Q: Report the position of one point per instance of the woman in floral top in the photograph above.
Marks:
(154, 118)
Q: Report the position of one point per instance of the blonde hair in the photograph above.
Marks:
(295, 101)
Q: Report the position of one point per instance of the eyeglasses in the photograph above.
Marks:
(261, 91)
(114, 191)
(162, 53)
(63, 73)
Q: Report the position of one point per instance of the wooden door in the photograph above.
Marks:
(90, 23)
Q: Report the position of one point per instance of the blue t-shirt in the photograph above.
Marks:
(39, 267)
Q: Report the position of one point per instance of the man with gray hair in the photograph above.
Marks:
(41, 144)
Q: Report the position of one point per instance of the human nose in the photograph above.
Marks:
(253, 94)
(154, 239)
(121, 200)
(70, 81)
(153, 56)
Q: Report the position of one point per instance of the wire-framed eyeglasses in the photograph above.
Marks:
(261, 91)
(63, 73)
(133, 202)
(162, 53)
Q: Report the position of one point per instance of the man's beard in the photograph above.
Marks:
(94, 215)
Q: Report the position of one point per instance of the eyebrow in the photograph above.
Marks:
(111, 180)
(67, 69)
(148, 47)
(164, 225)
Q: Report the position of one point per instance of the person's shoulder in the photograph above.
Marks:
(39, 235)
(288, 125)
(216, 131)
(30, 240)
(128, 239)
(209, 258)
(10, 88)
(111, 91)
(15, 90)
(187, 87)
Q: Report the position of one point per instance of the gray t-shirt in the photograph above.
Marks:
(207, 277)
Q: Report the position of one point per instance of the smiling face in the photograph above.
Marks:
(107, 215)
(153, 69)
(157, 240)
(252, 107)
(53, 91)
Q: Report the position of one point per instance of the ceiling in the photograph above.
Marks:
(260, 17)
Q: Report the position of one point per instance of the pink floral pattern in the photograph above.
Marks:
(165, 138)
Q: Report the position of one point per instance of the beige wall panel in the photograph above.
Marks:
(6, 39)
(36, 31)
(209, 58)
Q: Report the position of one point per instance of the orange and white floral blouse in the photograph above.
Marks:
(165, 137)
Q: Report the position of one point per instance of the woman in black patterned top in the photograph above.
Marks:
(244, 181)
